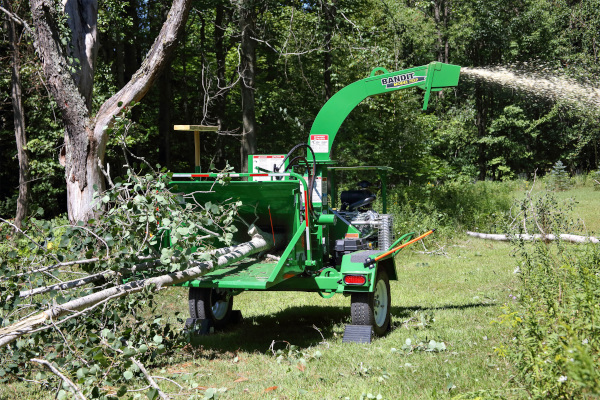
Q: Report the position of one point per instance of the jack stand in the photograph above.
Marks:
(358, 334)
(198, 326)
(236, 316)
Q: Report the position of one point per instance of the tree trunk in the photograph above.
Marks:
(19, 119)
(79, 152)
(247, 72)
(481, 123)
(86, 137)
(547, 237)
(329, 11)
(164, 118)
(82, 18)
(220, 98)
(440, 15)
(132, 63)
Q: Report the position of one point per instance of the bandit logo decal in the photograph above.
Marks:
(401, 80)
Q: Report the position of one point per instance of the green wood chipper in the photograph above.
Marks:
(331, 245)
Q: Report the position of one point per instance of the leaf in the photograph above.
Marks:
(241, 379)
(122, 390)
(128, 375)
(158, 339)
(270, 389)
(82, 372)
(301, 367)
(129, 352)
(152, 394)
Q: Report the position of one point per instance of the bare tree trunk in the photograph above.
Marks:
(164, 118)
(547, 237)
(440, 15)
(82, 19)
(329, 11)
(19, 120)
(247, 71)
(481, 122)
(86, 137)
(219, 34)
(79, 152)
(220, 100)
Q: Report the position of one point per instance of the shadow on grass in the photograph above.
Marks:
(296, 325)
(446, 307)
(293, 325)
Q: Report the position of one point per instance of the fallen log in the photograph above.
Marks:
(528, 237)
(259, 242)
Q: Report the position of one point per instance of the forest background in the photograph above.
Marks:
(304, 53)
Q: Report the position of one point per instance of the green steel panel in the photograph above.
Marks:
(238, 276)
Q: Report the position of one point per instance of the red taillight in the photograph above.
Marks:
(355, 280)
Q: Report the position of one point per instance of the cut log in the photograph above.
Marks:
(259, 242)
(548, 237)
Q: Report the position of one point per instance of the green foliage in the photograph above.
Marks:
(559, 179)
(451, 207)
(596, 179)
(557, 345)
(97, 349)
(480, 131)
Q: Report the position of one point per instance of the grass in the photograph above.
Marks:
(584, 199)
(457, 294)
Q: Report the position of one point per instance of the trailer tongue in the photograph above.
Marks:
(328, 246)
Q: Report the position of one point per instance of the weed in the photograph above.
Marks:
(557, 343)
(428, 346)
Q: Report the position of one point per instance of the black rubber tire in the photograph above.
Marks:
(373, 308)
(205, 303)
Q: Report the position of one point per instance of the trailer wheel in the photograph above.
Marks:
(373, 308)
(211, 304)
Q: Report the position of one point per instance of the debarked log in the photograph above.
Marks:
(548, 237)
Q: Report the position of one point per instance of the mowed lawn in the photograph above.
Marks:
(452, 296)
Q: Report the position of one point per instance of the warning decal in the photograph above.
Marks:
(319, 143)
(265, 162)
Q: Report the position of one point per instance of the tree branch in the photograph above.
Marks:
(57, 372)
(18, 20)
(258, 243)
(157, 58)
(151, 381)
